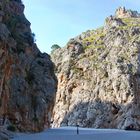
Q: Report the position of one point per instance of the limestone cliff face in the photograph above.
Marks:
(99, 76)
(27, 80)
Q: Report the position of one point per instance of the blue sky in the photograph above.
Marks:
(56, 21)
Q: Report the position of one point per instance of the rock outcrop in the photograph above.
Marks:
(121, 12)
(27, 80)
(5, 134)
(99, 86)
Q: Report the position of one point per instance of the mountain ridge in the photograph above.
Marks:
(98, 76)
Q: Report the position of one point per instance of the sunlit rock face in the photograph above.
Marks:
(121, 12)
(27, 80)
(99, 86)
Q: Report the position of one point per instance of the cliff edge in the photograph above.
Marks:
(27, 80)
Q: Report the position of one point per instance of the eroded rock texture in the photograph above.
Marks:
(99, 76)
(27, 80)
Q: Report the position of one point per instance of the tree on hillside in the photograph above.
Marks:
(20, 1)
(55, 47)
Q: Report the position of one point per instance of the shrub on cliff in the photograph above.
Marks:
(54, 47)
(20, 1)
(11, 128)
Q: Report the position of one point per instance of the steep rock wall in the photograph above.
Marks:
(99, 77)
(27, 80)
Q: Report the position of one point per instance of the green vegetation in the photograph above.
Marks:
(15, 23)
(20, 1)
(55, 47)
(11, 128)
(76, 70)
(125, 56)
(94, 39)
(35, 119)
(29, 77)
(130, 22)
(95, 47)
(33, 37)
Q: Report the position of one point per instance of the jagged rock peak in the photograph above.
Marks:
(122, 12)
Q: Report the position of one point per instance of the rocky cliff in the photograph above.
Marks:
(27, 80)
(99, 76)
